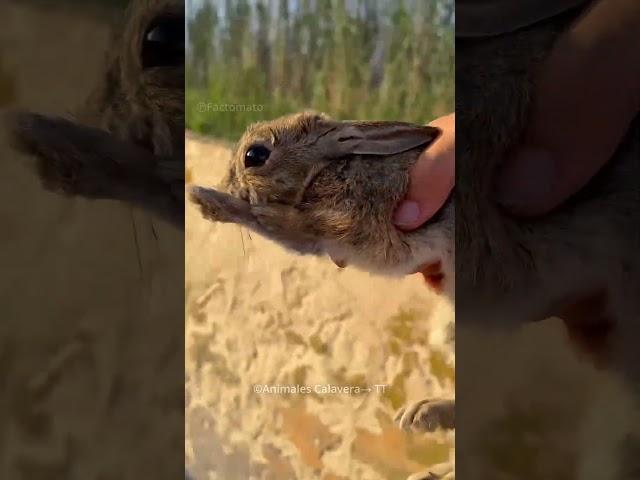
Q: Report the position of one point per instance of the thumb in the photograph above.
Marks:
(432, 178)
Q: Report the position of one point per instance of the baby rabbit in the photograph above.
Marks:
(320, 186)
(127, 142)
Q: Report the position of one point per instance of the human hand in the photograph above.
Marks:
(432, 178)
(587, 93)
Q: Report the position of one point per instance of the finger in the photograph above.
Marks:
(587, 94)
(432, 179)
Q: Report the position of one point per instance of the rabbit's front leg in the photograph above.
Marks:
(427, 415)
(83, 161)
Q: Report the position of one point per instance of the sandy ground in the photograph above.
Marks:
(260, 315)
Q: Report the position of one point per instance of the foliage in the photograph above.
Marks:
(249, 60)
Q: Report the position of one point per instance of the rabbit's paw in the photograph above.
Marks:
(427, 415)
(208, 205)
(221, 207)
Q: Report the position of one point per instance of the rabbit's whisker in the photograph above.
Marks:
(244, 252)
(153, 230)
(135, 240)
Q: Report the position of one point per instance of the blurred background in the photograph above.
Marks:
(364, 59)
(91, 298)
(98, 13)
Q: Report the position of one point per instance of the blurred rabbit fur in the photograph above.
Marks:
(515, 270)
(320, 186)
(127, 142)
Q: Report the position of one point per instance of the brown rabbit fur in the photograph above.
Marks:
(127, 141)
(532, 262)
(331, 187)
(515, 270)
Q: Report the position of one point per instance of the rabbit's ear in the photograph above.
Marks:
(380, 138)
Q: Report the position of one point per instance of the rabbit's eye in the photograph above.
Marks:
(256, 156)
(163, 43)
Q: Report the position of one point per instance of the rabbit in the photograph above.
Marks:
(127, 142)
(516, 270)
(319, 186)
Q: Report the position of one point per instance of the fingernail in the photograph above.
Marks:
(406, 214)
(526, 181)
